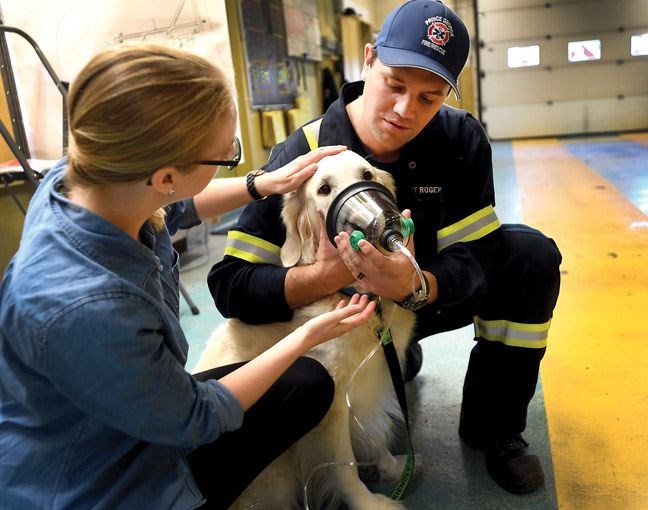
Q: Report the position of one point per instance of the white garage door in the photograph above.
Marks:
(604, 88)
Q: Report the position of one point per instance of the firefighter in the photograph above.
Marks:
(503, 278)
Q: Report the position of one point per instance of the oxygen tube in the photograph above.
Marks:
(424, 288)
(352, 463)
(367, 210)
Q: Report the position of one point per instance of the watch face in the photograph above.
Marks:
(414, 302)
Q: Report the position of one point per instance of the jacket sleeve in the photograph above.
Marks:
(181, 215)
(127, 377)
(249, 282)
(469, 230)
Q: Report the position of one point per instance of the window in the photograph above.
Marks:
(639, 45)
(580, 51)
(524, 56)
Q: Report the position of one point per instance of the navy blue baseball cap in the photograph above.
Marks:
(425, 34)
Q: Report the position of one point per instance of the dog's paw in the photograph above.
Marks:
(381, 502)
(391, 467)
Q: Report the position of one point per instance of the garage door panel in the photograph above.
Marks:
(554, 53)
(568, 84)
(510, 24)
(557, 96)
(565, 117)
(497, 5)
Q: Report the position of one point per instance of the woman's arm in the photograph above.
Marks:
(223, 195)
(253, 379)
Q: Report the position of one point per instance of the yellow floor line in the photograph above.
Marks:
(595, 373)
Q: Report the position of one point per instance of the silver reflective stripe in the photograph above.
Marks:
(515, 334)
(475, 226)
(253, 249)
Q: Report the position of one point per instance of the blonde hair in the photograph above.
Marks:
(135, 109)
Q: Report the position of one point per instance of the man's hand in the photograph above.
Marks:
(390, 277)
(328, 258)
(326, 275)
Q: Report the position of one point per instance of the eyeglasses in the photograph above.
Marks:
(229, 163)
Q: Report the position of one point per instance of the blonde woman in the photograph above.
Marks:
(96, 408)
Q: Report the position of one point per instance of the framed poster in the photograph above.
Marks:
(271, 73)
(302, 29)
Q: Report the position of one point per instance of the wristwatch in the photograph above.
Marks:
(249, 181)
(418, 299)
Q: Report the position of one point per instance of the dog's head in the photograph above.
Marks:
(302, 208)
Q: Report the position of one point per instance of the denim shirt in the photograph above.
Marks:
(96, 408)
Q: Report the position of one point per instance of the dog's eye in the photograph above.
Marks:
(367, 175)
(324, 189)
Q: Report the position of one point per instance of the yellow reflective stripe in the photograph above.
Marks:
(253, 249)
(475, 226)
(515, 334)
(311, 132)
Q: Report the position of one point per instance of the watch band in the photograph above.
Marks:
(418, 299)
(249, 182)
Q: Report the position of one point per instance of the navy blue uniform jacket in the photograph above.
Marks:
(444, 176)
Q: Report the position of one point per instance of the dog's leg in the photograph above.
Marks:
(334, 432)
(390, 466)
(276, 488)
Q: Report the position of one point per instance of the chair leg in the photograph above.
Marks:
(185, 294)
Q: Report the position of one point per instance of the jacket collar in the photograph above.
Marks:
(102, 241)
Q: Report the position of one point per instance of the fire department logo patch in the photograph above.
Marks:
(439, 33)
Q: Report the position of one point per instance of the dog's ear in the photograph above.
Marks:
(301, 232)
(290, 214)
(386, 179)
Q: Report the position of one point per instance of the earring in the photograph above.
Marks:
(171, 192)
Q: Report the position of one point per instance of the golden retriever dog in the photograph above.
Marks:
(320, 470)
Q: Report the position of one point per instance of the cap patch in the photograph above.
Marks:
(439, 32)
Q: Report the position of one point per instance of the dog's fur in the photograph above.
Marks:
(370, 393)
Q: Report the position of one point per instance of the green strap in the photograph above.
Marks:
(399, 388)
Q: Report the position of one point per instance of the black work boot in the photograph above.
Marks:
(413, 361)
(509, 462)
(512, 465)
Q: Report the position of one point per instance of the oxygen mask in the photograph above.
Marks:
(367, 210)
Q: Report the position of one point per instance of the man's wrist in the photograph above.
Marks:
(419, 298)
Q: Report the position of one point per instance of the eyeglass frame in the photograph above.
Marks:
(230, 164)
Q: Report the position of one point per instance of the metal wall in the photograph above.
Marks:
(558, 97)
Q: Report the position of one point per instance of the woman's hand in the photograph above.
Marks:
(344, 318)
(223, 195)
(289, 177)
(253, 379)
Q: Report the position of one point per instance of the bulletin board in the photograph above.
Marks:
(272, 75)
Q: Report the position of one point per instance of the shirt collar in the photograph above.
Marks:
(337, 128)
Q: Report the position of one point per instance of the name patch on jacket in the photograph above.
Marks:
(422, 191)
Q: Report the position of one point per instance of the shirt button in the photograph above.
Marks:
(412, 164)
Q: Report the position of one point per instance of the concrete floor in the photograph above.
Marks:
(588, 419)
